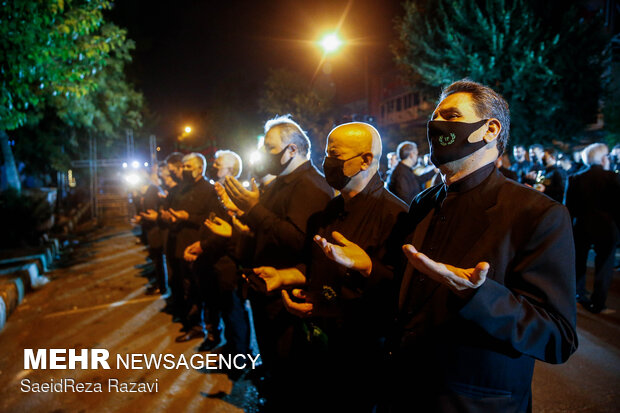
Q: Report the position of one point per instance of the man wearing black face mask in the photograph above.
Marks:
(196, 200)
(350, 306)
(278, 217)
(489, 280)
(174, 169)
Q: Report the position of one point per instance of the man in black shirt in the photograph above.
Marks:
(553, 179)
(196, 200)
(489, 281)
(593, 199)
(174, 168)
(521, 165)
(403, 182)
(279, 220)
(346, 309)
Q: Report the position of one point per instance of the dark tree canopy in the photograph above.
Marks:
(544, 57)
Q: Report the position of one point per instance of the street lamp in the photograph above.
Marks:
(188, 129)
(330, 43)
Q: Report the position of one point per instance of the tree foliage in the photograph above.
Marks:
(543, 57)
(63, 78)
(287, 92)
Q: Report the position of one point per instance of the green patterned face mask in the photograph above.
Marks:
(448, 140)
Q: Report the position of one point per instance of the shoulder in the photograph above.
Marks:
(311, 177)
(392, 202)
(518, 199)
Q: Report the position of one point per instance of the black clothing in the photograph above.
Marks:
(279, 222)
(554, 180)
(508, 173)
(405, 184)
(357, 309)
(198, 199)
(477, 353)
(521, 169)
(593, 199)
(154, 236)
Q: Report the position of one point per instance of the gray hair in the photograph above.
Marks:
(237, 165)
(487, 104)
(199, 156)
(405, 149)
(290, 132)
(594, 154)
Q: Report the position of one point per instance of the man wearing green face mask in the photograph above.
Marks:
(488, 278)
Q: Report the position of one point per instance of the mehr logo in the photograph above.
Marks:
(447, 140)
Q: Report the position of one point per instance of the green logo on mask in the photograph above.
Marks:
(447, 140)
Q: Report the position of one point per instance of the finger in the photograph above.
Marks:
(339, 238)
(219, 221)
(299, 293)
(254, 186)
(480, 272)
(287, 299)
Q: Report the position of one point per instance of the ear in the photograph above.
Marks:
(293, 148)
(367, 159)
(494, 128)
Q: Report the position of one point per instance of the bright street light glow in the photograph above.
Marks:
(188, 129)
(132, 179)
(124, 164)
(146, 164)
(135, 164)
(330, 43)
(255, 157)
(246, 184)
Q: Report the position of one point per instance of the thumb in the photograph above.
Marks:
(338, 237)
(481, 271)
(409, 249)
(218, 220)
(298, 293)
(254, 186)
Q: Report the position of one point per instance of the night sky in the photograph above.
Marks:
(194, 56)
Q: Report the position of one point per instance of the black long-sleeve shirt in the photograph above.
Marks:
(280, 219)
(358, 306)
(198, 199)
(405, 184)
(525, 308)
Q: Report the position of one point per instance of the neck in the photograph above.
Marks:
(408, 162)
(355, 186)
(295, 163)
(459, 169)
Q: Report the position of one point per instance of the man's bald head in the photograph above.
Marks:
(357, 137)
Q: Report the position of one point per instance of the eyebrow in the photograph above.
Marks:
(444, 110)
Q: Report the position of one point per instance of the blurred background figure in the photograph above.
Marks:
(593, 199)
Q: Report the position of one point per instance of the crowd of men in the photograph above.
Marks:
(432, 292)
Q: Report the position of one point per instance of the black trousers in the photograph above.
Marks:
(604, 244)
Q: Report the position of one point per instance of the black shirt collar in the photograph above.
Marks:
(298, 171)
(372, 189)
(472, 180)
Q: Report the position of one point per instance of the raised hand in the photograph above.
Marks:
(219, 227)
(243, 198)
(459, 280)
(347, 254)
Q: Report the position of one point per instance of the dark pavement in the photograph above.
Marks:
(96, 300)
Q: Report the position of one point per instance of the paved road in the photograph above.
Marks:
(97, 301)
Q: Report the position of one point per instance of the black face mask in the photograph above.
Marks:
(448, 140)
(175, 178)
(272, 163)
(334, 172)
(188, 178)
